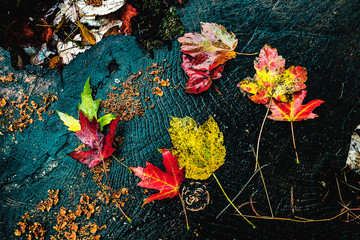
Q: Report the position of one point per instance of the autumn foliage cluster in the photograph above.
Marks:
(198, 150)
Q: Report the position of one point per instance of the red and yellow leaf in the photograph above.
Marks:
(272, 80)
(168, 183)
(294, 111)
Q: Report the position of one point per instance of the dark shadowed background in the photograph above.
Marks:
(322, 36)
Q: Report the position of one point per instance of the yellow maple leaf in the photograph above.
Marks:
(199, 148)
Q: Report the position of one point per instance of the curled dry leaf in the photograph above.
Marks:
(86, 34)
(89, 12)
(353, 159)
(271, 78)
(68, 11)
(41, 55)
(168, 183)
(67, 51)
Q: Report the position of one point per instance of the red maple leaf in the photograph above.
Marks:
(294, 111)
(200, 80)
(168, 183)
(100, 146)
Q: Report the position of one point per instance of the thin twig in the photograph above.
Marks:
(351, 186)
(232, 202)
(338, 187)
(112, 193)
(257, 157)
(292, 201)
(252, 206)
(122, 163)
(237, 195)
(301, 220)
(293, 139)
(216, 89)
(183, 204)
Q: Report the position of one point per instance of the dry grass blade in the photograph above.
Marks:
(257, 157)
(237, 195)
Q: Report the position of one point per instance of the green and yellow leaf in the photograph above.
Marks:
(105, 120)
(88, 106)
(71, 122)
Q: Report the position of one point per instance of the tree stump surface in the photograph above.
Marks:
(321, 36)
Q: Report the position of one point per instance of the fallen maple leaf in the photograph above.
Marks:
(199, 80)
(100, 146)
(200, 149)
(214, 46)
(168, 183)
(71, 122)
(272, 80)
(89, 108)
(293, 111)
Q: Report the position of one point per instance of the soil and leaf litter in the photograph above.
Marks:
(197, 150)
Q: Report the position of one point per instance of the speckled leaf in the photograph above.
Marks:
(271, 78)
(214, 46)
(199, 148)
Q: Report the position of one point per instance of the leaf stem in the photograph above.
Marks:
(257, 157)
(247, 54)
(183, 204)
(293, 139)
(216, 89)
(122, 163)
(107, 179)
(232, 202)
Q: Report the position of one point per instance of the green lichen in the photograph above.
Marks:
(171, 26)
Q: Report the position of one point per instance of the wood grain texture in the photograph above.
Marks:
(321, 36)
